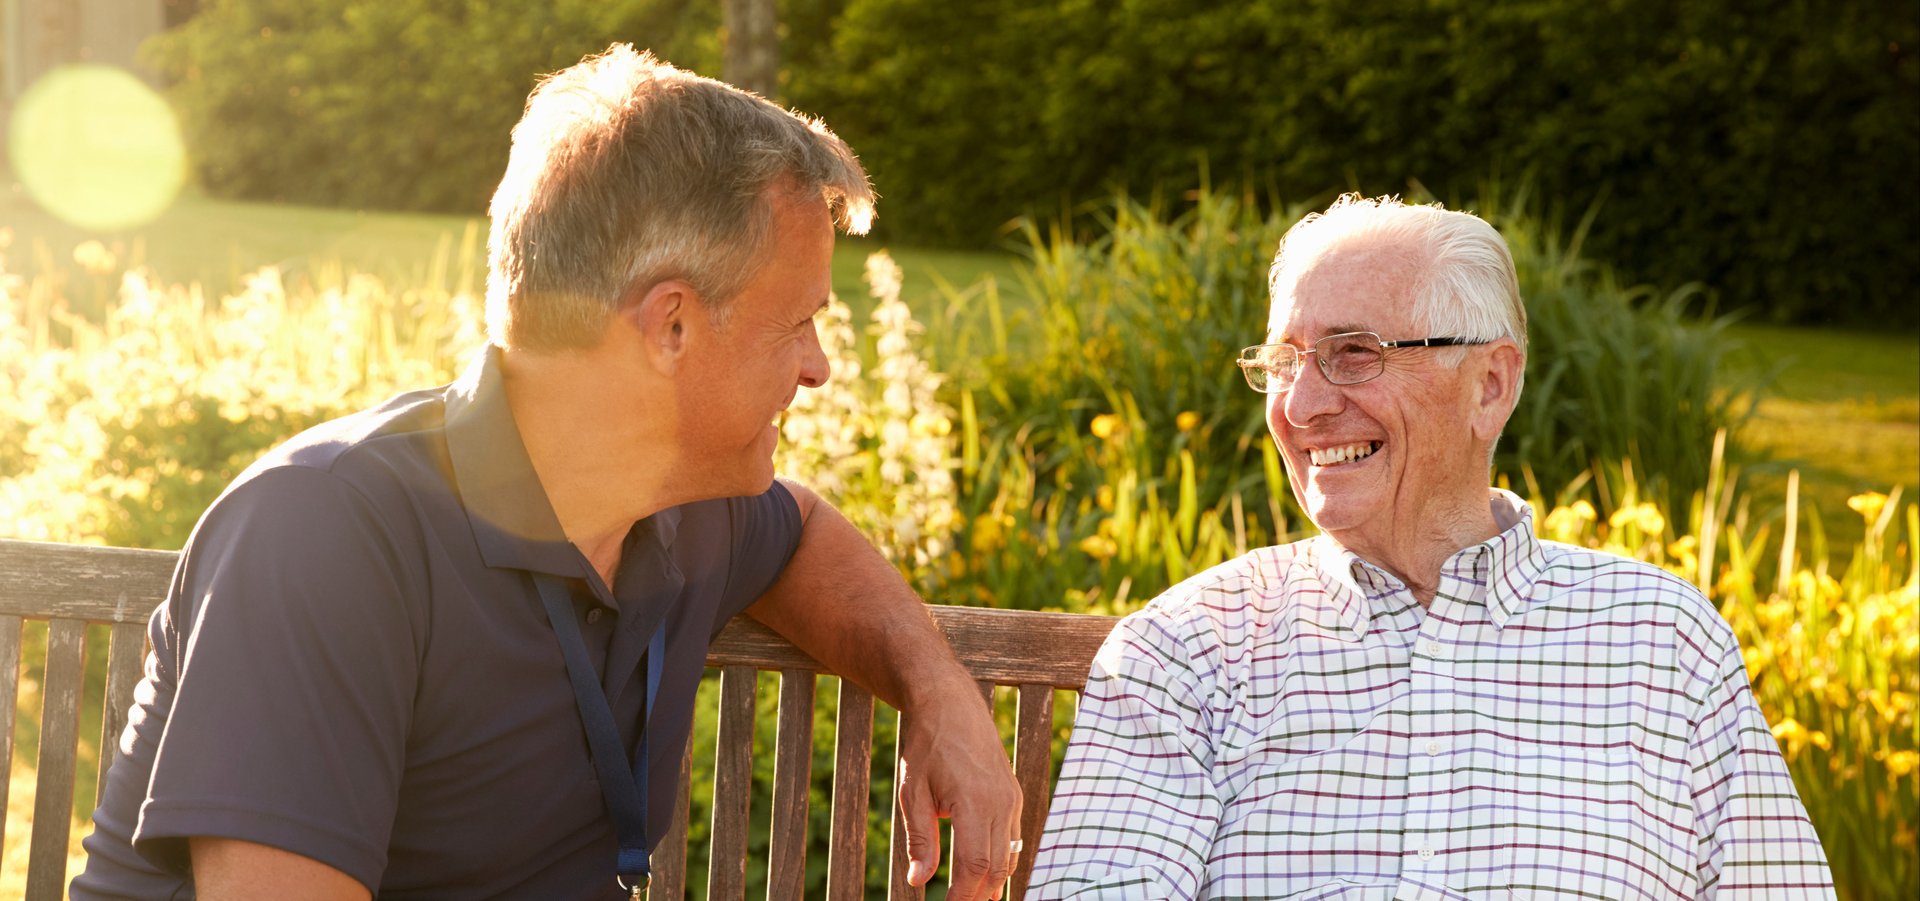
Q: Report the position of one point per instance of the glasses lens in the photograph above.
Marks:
(1351, 358)
(1269, 367)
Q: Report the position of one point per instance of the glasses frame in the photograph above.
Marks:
(1247, 366)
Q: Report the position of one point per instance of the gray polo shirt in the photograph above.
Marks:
(353, 663)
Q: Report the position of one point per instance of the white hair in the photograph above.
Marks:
(1469, 288)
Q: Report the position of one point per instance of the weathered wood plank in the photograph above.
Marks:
(126, 656)
(9, 701)
(898, 889)
(792, 772)
(1033, 769)
(852, 758)
(732, 786)
(670, 856)
(95, 584)
(1008, 647)
(59, 744)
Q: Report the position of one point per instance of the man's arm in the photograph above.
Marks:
(843, 603)
(1136, 811)
(226, 869)
(1755, 838)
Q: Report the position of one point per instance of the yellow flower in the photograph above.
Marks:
(1099, 547)
(938, 426)
(1187, 421)
(1106, 425)
(1791, 735)
(1868, 505)
(1643, 516)
(1584, 510)
(990, 532)
(1103, 496)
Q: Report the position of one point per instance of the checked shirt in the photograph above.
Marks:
(1559, 724)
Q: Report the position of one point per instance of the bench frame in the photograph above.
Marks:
(1035, 653)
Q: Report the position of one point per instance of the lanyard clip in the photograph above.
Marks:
(639, 889)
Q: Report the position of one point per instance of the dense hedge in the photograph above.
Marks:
(386, 104)
(1770, 150)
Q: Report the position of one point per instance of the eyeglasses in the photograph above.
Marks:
(1346, 359)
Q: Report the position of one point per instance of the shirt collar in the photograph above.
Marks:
(1515, 559)
(512, 520)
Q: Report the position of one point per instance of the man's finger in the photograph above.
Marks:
(923, 830)
(979, 858)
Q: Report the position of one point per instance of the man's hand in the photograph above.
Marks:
(952, 764)
(843, 603)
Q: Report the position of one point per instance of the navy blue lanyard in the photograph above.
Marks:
(625, 792)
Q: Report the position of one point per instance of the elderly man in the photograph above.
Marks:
(448, 647)
(1425, 701)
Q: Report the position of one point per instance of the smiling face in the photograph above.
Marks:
(1379, 463)
(743, 373)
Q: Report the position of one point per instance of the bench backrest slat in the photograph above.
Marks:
(852, 757)
(59, 748)
(9, 702)
(1033, 767)
(792, 773)
(126, 660)
(1034, 653)
(732, 785)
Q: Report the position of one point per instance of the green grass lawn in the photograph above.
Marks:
(1844, 410)
(217, 242)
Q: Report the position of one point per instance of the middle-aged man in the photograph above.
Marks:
(447, 647)
(1425, 701)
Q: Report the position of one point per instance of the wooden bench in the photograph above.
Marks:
(71, 587)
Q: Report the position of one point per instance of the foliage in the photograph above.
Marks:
(877, 440)
(390, 104)
(1732, 144)
(123, 428)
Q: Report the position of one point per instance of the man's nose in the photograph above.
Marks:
(814, 368)
(1311, 395)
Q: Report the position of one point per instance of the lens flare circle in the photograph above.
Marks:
(96, 147)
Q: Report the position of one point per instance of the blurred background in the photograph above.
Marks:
(224, 220)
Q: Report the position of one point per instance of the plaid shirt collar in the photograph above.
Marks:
(1504, 568)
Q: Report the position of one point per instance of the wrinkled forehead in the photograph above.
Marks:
(1358, 285)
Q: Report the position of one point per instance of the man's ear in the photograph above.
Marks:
(1498, 389)
(660, 317)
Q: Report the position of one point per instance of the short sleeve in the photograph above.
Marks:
(1135, 812)
(295, 657)
(1756, 840)
(765, 533)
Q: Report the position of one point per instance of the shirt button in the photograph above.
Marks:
(1426, 853)
(593, 616)
(1433, 649)
(1433, 747)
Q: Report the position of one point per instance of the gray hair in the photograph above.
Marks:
(1469, 287)
(626, 172)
